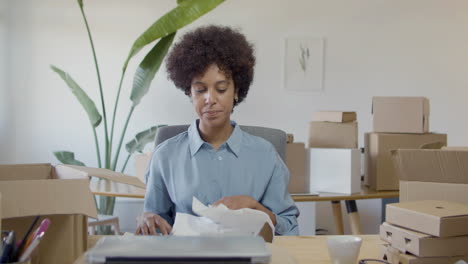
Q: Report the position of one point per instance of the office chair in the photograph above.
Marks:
(275, 136)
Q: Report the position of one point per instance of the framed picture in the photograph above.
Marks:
(303, 64)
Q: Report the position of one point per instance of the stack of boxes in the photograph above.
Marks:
(333, 155)
(398, 123)
(425, 232)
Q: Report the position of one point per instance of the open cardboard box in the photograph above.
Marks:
(393, 256)
(432, 174)
(60, 193)
(437, 218)
(423, 245)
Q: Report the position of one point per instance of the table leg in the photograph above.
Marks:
(336, 206)
(354, 219)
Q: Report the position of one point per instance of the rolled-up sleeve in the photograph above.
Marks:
(157, 199)
(278, 200)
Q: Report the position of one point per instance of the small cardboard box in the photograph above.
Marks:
(393, 256)
(400, 114)
(334, 116)
(423, 245)
(433, 217)
(296, 163)
(41, 189)
(333, 135)
(334, 170)
(380, 171)
(141, 165)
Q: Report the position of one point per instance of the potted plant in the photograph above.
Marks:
(163, 31)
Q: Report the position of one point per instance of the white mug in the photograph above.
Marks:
(344, 249)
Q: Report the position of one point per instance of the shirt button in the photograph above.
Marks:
(220, 158)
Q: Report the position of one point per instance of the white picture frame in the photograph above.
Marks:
(304, 63)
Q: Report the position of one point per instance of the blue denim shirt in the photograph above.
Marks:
(185, 166)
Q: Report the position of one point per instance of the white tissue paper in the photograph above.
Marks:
(219, 220)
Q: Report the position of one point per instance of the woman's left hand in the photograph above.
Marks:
(238, 202)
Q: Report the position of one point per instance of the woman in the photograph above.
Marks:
(215, 161)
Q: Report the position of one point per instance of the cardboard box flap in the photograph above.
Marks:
(21, 172)
(75, 198)
(334, 116)
(103, 173)
(445, 166)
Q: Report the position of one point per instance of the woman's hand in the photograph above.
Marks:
(245, 201)
(148, 223)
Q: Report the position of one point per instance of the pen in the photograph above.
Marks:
(41, 229)
(19, 249)
(8, 248)
(28, 252)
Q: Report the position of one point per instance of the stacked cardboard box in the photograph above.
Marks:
(296, 163)
(333, 154)
(427, 231)
(398, 123)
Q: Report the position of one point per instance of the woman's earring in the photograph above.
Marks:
(236, 98)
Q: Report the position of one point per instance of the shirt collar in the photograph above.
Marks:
(196, 142)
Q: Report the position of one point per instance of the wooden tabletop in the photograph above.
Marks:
(297, 249)
(110, 188)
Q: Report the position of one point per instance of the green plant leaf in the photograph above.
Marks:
(88, 104)
(141, 139)
(67, 157)
(181, 1)
(182, 15)
(147, 69)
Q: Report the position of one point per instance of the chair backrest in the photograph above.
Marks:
(277, 137)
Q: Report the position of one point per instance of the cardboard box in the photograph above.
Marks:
(296, 163)
(433, 217)
(393, 256)
(41, 189)
(334, 170)
(380, 173)
(423, 245)
(400, 114)
(334, 116)
(416, 190)
(333, 135)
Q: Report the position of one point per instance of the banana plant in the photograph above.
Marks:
(162, 33)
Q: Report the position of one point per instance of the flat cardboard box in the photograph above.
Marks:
(333, 135)
(416, 190)
(334, 116)
(400, 114)
(59, 193)
(423, 245)
(334, 170)
(433, 217)
(296, 163)
(380, 173)
(393, 256)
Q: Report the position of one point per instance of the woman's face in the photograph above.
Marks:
(213, 97)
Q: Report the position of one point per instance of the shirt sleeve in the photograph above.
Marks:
(157, 199)
(278, 200)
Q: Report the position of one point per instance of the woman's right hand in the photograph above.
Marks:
(148, 223)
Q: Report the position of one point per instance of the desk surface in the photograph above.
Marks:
(115, 189)
(298, 249)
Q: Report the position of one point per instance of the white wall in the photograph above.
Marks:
(373, 47)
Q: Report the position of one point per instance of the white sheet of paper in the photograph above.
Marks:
(219, 220)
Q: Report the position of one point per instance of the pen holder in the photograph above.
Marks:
(24, 262)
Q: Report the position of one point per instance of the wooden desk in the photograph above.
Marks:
(110, 188)
(297, 249)
(351, 206)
